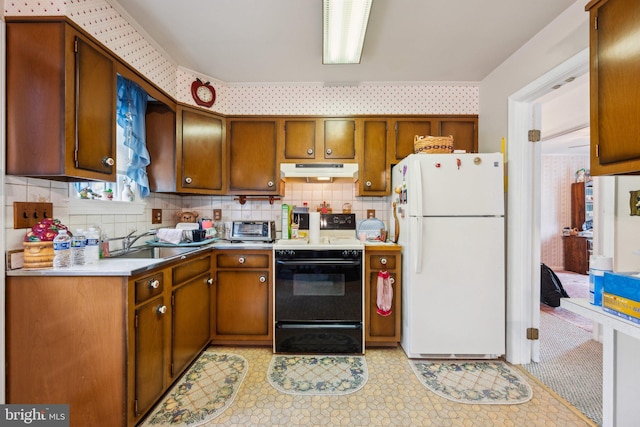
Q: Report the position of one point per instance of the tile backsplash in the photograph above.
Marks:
(117, 224)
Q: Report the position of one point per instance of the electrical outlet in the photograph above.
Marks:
(156, 216)
(371, 213)
(217, 214)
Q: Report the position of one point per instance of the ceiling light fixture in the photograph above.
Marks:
(344, 25)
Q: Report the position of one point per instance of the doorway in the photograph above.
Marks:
(523, 206)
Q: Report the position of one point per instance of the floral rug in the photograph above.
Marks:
(475, 382)
(317, 375)
(204, 392)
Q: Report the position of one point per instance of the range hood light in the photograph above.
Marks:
(319, 172)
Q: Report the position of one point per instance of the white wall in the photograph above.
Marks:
(627, 227)
(563, 38)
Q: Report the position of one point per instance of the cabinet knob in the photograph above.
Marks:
(241, 260)
(309, 151)
(154, 284)
(210, 281)
(368, 183)
(108, 161)
(392, 280)
(162, 309)
(188, 180)
(383, 261)
(329, 151)
(263, 279)
(270, 184)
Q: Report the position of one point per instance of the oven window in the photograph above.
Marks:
(318, 285)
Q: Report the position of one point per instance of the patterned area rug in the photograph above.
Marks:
(204, 392)
(317, 375)
(475, 382)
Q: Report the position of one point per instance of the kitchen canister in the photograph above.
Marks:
(598, 264)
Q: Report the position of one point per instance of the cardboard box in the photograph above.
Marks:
(621, 295)
(625, 285)
(621, 307)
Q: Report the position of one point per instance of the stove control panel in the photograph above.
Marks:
(337, 221)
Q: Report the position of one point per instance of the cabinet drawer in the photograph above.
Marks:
(191, 269)
(382, 261)
(242, 260)
(148, 287)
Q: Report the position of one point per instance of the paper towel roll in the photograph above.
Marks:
(314, 227)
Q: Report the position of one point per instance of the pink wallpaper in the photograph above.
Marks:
(558, 173)
(106, 24)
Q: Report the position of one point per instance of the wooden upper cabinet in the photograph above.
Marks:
(300, 138)
(187, 150)
(615, 87)
(61, 103)
(405, 132)
(339, 139)
(464, 130)
(317, 139)
(200, 150)
(252, 157)
(374, 179)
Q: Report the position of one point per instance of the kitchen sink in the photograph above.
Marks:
(153, 252)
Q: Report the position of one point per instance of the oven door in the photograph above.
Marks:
(321, 287)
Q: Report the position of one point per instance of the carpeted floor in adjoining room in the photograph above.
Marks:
(392, 396)
(570, 359)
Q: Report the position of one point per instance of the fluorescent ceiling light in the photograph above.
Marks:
(344, 27)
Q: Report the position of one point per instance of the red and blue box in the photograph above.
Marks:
(621, 295)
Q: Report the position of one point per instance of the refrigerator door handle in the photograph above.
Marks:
(418, 193)
(417, 268)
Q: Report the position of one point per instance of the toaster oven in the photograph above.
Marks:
(253, 231)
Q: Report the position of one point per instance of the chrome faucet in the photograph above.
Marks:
(128, 240)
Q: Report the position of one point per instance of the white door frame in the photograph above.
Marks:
(523, 210)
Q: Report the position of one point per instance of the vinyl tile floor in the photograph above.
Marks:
(392, 396)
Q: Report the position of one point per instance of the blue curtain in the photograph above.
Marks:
(130, 108)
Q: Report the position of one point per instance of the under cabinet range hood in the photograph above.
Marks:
(319, 172)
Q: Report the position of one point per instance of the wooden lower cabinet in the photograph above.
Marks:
(242, 303)
(576, 254)
(108, 346)
(67, 343)
(382, 330)
(190, 308)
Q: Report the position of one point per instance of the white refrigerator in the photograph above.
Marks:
(450, 210)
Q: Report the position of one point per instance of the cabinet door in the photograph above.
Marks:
(339, 139)
(95, 110)
(464, 132)
(160, 127)
(150, 364)
(614, 88)
(374, 175)
(405, 131)
(252, 157)
(190, 316)
(60, 104)
(242, 305)
(299, 139)
(382, 330)
(200, 151)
